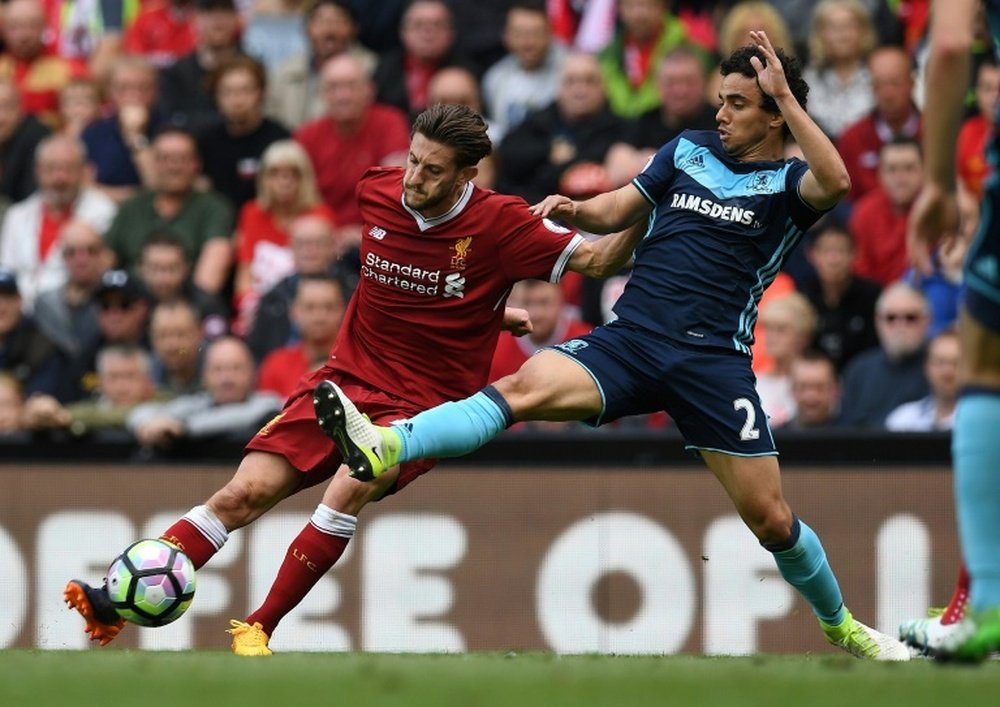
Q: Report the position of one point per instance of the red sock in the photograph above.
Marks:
(956, 607)
(309, 557)
(185, 535)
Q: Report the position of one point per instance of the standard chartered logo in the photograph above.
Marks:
(454, 285)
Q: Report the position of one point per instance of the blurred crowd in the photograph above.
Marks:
(180, 235)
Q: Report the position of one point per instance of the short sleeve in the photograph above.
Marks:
(534, 248)
(801, 213)
(656, 177)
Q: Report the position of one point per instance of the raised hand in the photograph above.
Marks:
(770, 78)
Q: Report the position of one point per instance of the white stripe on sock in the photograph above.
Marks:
(333, 522)
(202, 518)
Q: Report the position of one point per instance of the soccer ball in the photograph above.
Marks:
(151, 583)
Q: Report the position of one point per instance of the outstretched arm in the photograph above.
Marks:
(605, 213)
(827, 180)
(935, 214)
(608, 254)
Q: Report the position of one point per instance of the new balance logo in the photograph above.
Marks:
(377, 233)
(696, 161)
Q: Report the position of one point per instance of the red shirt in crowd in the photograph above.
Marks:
(859, 146)
(281, 370)
(879, 231)
(341, 159)
(970, 154)
(162, 32)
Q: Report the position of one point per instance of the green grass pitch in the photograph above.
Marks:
(121, 677)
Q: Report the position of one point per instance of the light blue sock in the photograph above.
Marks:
(454, 429)
(976, 453)
(802, 562)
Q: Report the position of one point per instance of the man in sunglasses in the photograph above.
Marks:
(880, 379)
(122, 317)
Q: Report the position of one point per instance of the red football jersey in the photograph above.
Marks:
(426, 315)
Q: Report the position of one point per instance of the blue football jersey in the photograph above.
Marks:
(718, 234)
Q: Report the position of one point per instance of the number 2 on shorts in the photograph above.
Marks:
(748, 432)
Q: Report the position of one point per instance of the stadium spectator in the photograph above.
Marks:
(163, 32)
(166, 273)
(454, 85)
(229, 407)
(527, 78)
(295, 93)
(937, 410)
(551, 324)
(972, 138)
(944, 284)
(11, 409)
(118, 144)
(816, 392)
(316, 312)
(19, 137)
(203, 220)
(79, 106)
(286, 190)
(895, 115)
(879, 217)
(734, 32)
(876, 381)
(30, 236)
(275, 31)
(67, 314)
(314, 253)
(577, 129)
(646, 31)
(122, 318)
(427, 36)
(681, 82)
(231, 150)
(378, 23)
(176, 338)
(356, 133)
(790, 324)
(25, 352)
(39, 73)
(185, 96)
(844, 302)
(761, 361)
(88, 33)
(123, 382)
(840, 85)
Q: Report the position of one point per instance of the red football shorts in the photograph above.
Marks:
(295, 435)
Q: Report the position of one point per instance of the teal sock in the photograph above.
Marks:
(454, 429)
(976, 453)
(802, 562)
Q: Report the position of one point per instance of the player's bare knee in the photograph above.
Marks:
(775, 525)
(238, 503)
(523, 390)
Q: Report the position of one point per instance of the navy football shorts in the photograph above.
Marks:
(982, 262)
(710, 393)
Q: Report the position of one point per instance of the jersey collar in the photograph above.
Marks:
(425, 223)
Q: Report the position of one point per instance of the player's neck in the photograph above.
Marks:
(766, 151)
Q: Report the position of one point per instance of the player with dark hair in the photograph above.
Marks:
(724, 209)
(975, 442)
(438, 259)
